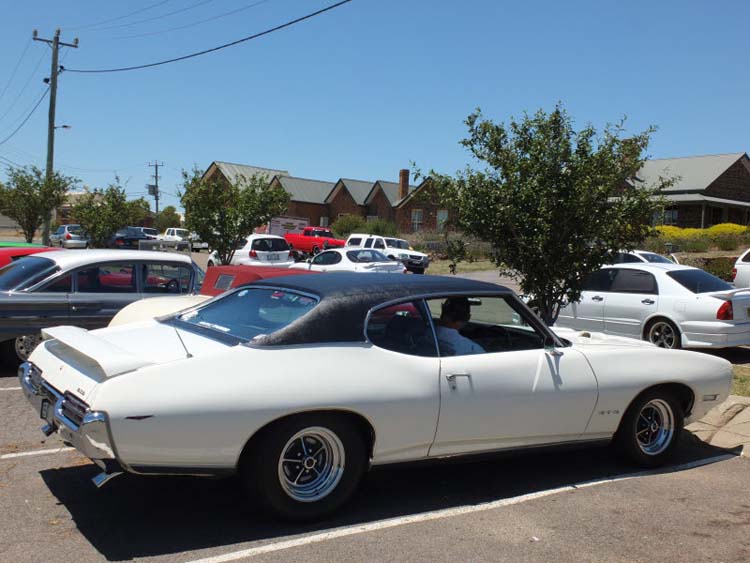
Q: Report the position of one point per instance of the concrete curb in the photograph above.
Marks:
(726, 426)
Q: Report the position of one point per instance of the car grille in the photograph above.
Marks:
(415, 258)
(73, 408)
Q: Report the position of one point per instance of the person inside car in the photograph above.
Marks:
(455, 313)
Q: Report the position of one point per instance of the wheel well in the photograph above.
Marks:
(362, 424)
(681, 392)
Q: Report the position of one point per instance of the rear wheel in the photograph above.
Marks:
(315, 250)
(664, 334)
(17, 350)
(650, 430)
(210, 264)
(306, 466)
(418, 270)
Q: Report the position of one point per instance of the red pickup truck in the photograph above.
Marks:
(312, 240)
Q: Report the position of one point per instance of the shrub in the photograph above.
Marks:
(723, 229)
(727, 241)
(695, 244)
(381, 227)
(348, 224)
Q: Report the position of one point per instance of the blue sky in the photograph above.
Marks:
(366, 89)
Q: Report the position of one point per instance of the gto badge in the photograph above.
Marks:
(81, 392)
(604, 413)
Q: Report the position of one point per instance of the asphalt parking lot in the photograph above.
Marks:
(563, 506)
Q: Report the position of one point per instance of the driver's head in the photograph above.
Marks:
(455, 311)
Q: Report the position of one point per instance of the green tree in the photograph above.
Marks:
(552, 202)
(102, 211)
(381, 227)
(28, 197)
(167, 218)
(222, 213)
(348, 224)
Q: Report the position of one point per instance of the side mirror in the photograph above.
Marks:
(550, 346)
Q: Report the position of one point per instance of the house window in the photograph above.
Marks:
(442, 219)
(417, 218)
(324, 221)
(670, 216)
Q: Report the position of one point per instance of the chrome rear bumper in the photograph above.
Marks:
(91, 435)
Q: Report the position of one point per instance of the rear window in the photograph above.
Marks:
(698, 281)
(366, 256)
(270, 244)
(74, 228)
(249, 313)
(148, 231)
(655, 258)
(25, 272)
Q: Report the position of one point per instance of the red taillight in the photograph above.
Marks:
(725, 312)
(734, 274)
(119, 242)
(68, 236)
(253, 254)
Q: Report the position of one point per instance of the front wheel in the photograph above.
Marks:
(664, 334)
(305, 467)
(650, 430)
(417, 270)
(17, 350)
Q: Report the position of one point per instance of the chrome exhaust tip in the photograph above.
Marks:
(103, 478)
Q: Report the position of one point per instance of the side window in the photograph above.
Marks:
(601, 280)
(60, 230)
(627, 258)
(59, 285)
(379, 244)
(355, 241)
(327, 258)
(402, 328)
(634, 281)
(478, 325)
(107, 278)
(368, 244)
(166, 278)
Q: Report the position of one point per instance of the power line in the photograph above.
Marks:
(141, 10)
(162, 16)
(220, 47)
(238, 10)
(15, 69)
(9, 161)
(17, 129)
(23, 88)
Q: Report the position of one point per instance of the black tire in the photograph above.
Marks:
(417, 270)
(637, 441)
(261, 474)
(210, 264)
(315, 250)
(8, 357)
(663, 333)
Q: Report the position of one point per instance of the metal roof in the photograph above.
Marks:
(359, 189)
(234, 172)
(699, 198)
(305, 190)
(75, 258)
(694, 173)
(390, 189)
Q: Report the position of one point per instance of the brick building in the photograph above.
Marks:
(707, 190)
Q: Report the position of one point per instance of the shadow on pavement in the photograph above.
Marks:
(148, 516)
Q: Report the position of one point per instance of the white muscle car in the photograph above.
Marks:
(300, 384)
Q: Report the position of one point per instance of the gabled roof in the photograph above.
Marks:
(233, 172)
(694, 173)
(411, 193)
(358, 189)
(306, 190)
(390, 189)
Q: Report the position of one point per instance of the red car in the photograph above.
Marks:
(7, 255)
(313, 239)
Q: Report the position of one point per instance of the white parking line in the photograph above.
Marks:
(10, 388)
(36, 452)
(445, 513)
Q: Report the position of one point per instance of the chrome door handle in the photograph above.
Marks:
(452, 378)
(647, 301)
(597, 298)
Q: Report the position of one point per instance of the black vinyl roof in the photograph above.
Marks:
(346, 298)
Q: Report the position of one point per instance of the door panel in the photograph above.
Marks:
(586, 314)
(633, 297)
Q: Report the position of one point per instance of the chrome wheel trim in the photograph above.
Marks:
(25, 345)
(663, 335)
(655, 427)
(311, 464)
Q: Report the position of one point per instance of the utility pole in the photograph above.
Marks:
(153, 189)
(54, 71)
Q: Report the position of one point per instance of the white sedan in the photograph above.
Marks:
(351, 259)
(669, 305)
(300, 384)
(259, 250)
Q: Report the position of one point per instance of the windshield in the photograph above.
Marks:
(181, 232)
(270, 244)
(249, 313)
(366, 256)
(397, 243)
(699, 281)
(25, 272)
(655, 258)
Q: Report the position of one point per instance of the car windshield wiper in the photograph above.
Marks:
(213, 326)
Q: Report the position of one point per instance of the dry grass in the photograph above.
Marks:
(741, 381)
(442, 267)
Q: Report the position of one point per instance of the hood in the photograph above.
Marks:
(587, 338)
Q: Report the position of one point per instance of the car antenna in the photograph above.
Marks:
(187, 354)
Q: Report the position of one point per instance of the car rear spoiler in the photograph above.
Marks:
(727, 295)
(110, 359)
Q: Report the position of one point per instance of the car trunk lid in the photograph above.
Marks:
(740, 300)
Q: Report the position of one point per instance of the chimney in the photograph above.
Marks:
(403, 183)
